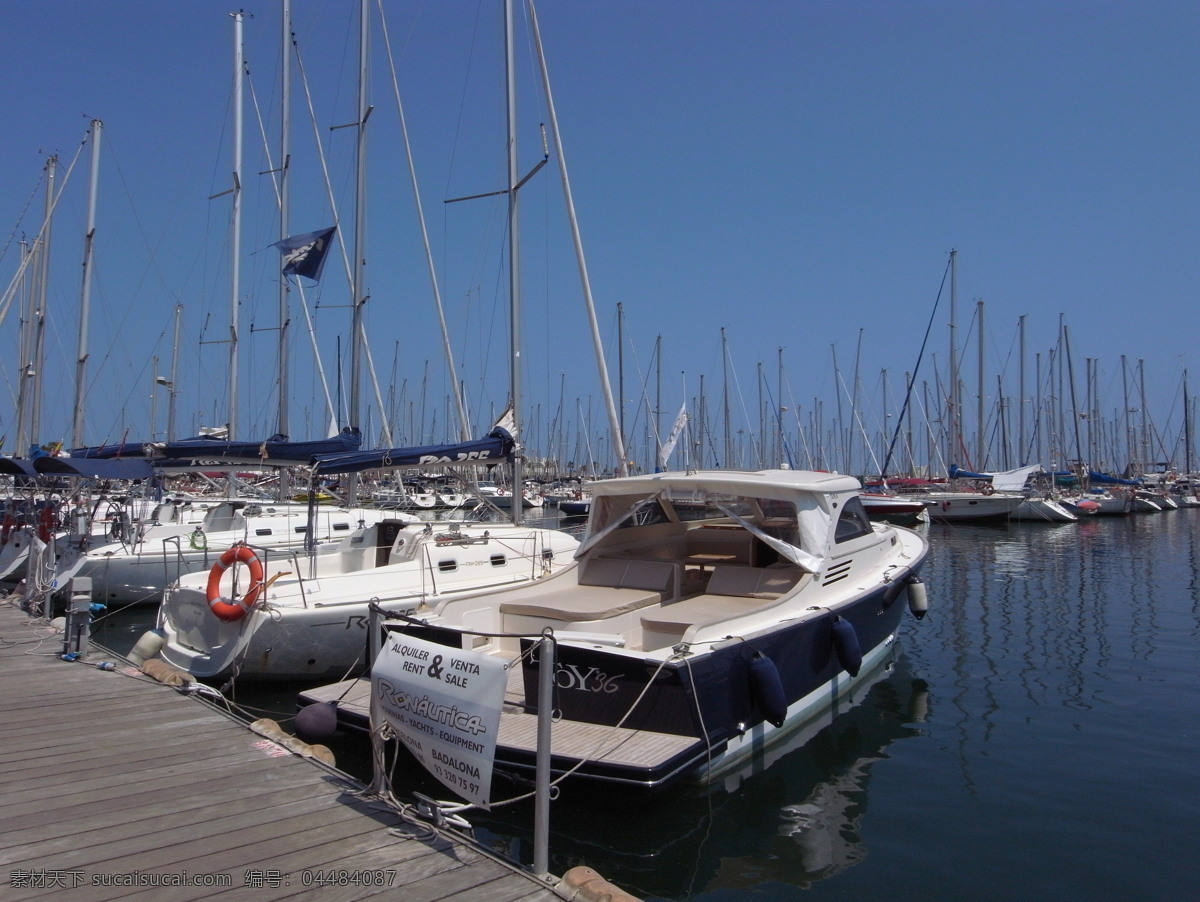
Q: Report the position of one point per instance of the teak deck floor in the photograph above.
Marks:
(110, 780)
(631, 748)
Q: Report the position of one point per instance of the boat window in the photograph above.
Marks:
(263, 532)
(448, 566)
(499, 560)
(623, 511)
(341, 526)
(301, 528)
(853, 523)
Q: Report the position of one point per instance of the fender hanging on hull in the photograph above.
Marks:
(767, 689)
(845, 643)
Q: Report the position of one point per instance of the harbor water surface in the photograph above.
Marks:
(1037, 739)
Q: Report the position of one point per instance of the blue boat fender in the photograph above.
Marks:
(918, 600)
(317, 722)
(845, 643)
(767, 689)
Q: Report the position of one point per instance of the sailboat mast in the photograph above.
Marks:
(172, 385)
(359, 222)
(41, 298)
(605, 384)
(235, 252)
(85, 291)
(285, 125)
(955, 414)
(514, 274)
(980, 421)
(1022, 451)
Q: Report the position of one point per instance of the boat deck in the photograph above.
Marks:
(115, 785)
(637, 749)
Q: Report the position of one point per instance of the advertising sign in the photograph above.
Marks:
(444, 705)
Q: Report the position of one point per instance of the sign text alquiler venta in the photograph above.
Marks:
(444, 704)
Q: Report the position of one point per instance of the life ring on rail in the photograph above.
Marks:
(230, 611)
(45, 523)
(988, 489)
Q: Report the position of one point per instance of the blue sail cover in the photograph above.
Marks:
(95, 467)
(1104, 479)
(121, 449)
(494, 449)
(956, 472)
(276, 451)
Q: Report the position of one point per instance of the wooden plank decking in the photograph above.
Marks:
(110, 781)
(618, 745)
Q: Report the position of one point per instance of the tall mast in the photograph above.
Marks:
(235, 253)
(1022, 452)
(1129, 455)
(620, 381)
(955, 414)
(605, 385)
(359, 222)
(285, 125)
(40, 300)
(172, 385)
(85, 292)
(980, 422)
(514, 273)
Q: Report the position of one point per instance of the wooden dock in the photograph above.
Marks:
(113, 786)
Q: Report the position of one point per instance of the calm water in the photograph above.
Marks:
(1037, 740)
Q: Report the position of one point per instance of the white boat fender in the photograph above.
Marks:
(766, 687)
(317, 722)
(918, 599)
(845, 643)
(147, 647)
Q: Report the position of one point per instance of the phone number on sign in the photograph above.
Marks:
(336, 877)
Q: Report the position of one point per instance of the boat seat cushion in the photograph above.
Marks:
(583, 603)
(608, 587)
(626, 573)
(732, 591)
(752, 582)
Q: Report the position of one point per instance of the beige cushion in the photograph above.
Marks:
(584, 603)
(752, 582)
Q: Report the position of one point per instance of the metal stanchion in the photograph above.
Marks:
(545, 714)
(373, 644)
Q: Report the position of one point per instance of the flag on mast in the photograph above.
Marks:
(304, 255)
(676, 430)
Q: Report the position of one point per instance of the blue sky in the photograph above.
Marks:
(794, 173)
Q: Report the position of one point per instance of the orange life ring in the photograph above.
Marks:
(230, 611)
(988, 489)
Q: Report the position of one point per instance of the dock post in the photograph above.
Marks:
(373, 645)
(545, 715)
(79, 618)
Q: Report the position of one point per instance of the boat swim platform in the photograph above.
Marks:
(518, 731)
(115, 786)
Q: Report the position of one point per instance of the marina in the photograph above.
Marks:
(1040, 719)
(335, 627)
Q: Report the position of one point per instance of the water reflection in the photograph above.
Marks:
(796, 823)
